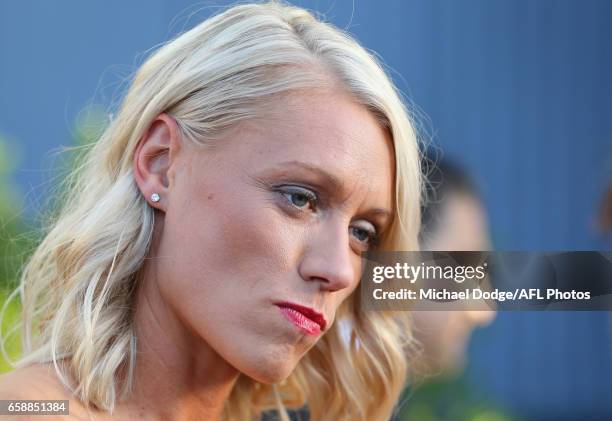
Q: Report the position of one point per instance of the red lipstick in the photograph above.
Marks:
(305, 318)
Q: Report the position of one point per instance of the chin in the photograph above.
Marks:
(270, 370)
(271, 374)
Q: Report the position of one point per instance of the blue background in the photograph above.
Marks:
(519, 91)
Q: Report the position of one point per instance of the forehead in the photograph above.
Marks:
(329, 131)
(334, 130)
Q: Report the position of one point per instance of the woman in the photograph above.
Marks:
(211, 239)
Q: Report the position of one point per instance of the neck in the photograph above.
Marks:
(178, 376)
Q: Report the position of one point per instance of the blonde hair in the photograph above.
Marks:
(77, 288)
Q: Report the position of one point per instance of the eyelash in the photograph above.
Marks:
(312, 198)
(296, 190)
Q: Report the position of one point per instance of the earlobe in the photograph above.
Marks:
(154, 156)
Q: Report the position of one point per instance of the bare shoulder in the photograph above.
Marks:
(36, 381)
(39, 382)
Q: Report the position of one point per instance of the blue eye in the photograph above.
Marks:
(299, 197)
(361, 234)
(366, 236)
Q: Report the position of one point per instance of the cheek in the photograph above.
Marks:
(228, 240)
(245, 240)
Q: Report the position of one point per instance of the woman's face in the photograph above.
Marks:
(276, 213)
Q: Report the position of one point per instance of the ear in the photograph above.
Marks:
(154, 158)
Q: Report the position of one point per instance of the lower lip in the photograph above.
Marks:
(302, 322)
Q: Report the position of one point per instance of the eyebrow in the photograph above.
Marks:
(335, 183)
(329, 178)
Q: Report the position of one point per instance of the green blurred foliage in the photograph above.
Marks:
(17, 238)
(13, 244)
(12, 344)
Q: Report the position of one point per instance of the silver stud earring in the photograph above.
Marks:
(155, 197)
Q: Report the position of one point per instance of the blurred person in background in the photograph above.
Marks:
(453, 219)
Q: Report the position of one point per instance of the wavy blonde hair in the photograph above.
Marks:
(78, 287)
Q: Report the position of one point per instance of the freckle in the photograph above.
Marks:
(210, 196)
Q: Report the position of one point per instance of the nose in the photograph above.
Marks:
(328, 258)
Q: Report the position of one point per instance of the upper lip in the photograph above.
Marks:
(309, 312)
